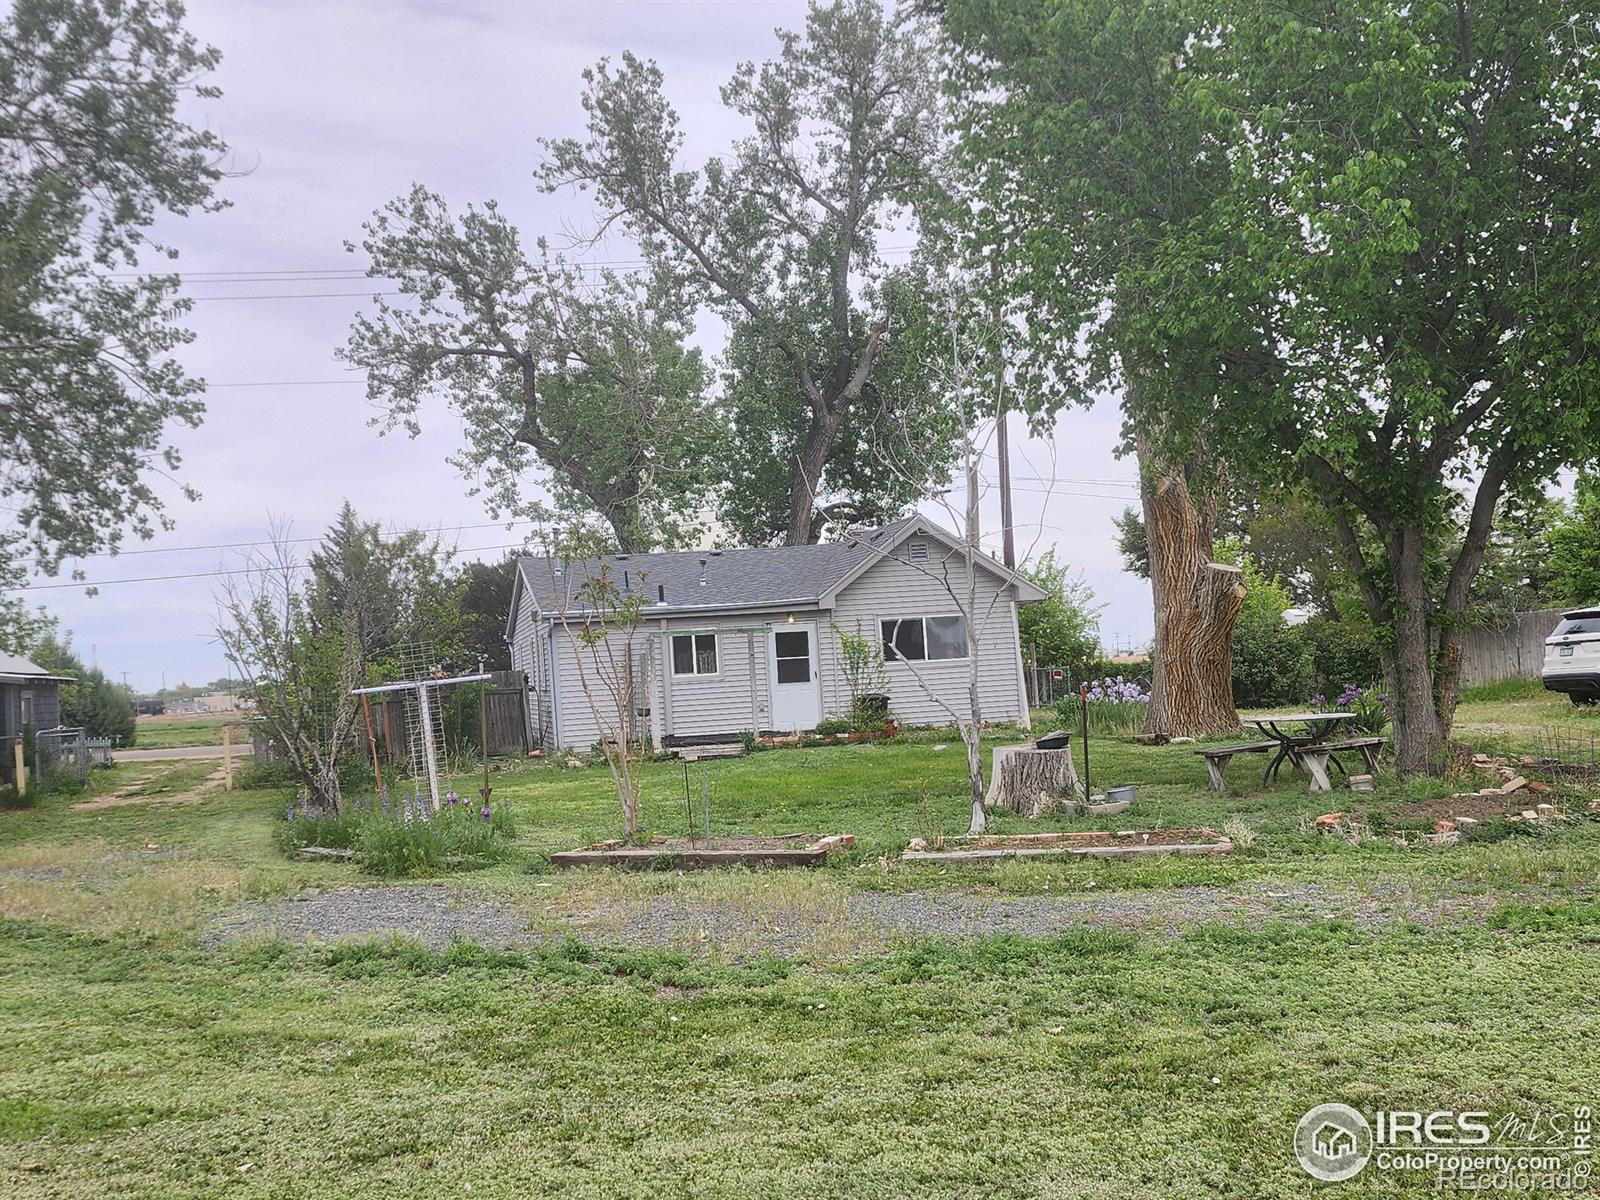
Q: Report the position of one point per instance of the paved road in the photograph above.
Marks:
(168, 752)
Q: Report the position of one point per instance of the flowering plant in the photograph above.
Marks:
(1370, 706)
(1116, 705)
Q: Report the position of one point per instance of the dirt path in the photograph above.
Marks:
(135, 792)
(170, 753)
(836, 922)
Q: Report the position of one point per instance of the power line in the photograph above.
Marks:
(47, 587)
(286, 383)
(298, 296)
(391, 533)
(289, 274)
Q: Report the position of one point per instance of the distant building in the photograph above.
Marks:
(205, 702)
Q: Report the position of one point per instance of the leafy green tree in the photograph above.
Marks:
(783, 239)
(588, 380)
(1389, 304)
(91, 701)
(484, 601)
(1272, 664)
(768, 416)
(1364, 241)
(298, 664)
(1519, 571)
(1081, 148)
(393, 587)
(1575, 546)
(92, 153)
(1064, 630)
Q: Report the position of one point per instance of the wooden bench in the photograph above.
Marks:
(1217, 759)
(1368, 747)
(1315, 758)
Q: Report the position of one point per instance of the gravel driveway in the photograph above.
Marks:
(436, 914)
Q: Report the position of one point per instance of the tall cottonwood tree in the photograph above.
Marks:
(767, 416)
(92, 153)
(1399, 282)
(784, 237)
(1082, 148)
(588, 379)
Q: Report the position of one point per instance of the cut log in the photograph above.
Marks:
(1029, 781)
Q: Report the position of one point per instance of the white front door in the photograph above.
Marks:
(796, 683)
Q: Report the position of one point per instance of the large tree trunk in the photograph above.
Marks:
(1421, 723)
(805, 479)
(1196, 604)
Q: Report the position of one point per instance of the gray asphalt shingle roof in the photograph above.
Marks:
(747, 578)
(14, 666)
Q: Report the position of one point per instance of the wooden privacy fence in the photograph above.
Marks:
(505, 715)
(1512, 651)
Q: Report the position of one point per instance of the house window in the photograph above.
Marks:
(27, 709)
(915, 639)
(694, 654)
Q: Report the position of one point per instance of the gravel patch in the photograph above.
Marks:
(434, 914)
(438, 914)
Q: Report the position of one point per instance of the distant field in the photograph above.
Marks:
(160, 733)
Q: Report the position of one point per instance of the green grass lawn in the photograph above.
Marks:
(165, 732)
(1519, 715)
(1097, 1063)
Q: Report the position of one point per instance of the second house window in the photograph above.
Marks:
(916, 639)
(694, 654)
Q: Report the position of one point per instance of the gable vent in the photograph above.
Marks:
(917, 551)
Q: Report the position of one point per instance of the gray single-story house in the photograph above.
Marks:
(745, 640)
(29, 696)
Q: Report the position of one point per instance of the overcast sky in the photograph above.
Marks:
(332, 109)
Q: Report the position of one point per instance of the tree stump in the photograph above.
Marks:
(1029, 781)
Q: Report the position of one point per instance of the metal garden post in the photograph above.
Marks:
(1083, 713)
(429, 752)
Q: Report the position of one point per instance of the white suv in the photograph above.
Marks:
(1572, 656)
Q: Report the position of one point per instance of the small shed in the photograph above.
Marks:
(30, 697)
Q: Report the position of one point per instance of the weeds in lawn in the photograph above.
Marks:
(1238, 831)
(401, 845)
(92, 886)
(725, 916)
(929, 828)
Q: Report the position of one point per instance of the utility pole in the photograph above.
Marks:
(1008, 543)
(1002, 443)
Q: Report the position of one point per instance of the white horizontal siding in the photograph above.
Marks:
(704, 705)
(603, 664)
(895, 588)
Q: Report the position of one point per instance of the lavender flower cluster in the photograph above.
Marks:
(1352, 694)
(1118, 691)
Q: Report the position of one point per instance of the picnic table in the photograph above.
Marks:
(1302, 738)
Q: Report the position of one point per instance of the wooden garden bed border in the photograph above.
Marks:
(617, 853)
